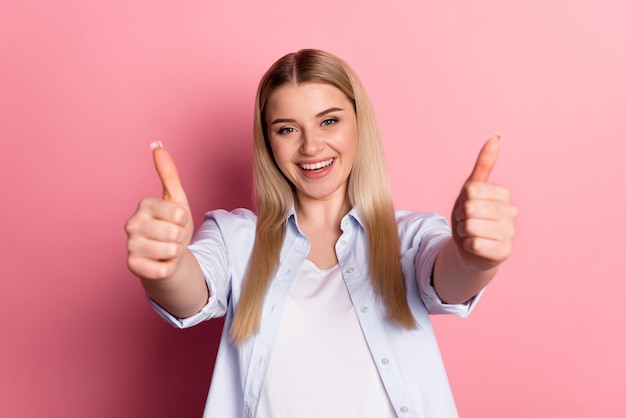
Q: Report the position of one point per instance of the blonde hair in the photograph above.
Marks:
(368, 191)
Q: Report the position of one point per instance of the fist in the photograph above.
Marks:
(483, 217)
(161, 228)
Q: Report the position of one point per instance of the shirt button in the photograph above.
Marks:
(404, 409)
(385, 361)
(342, 242)
(364, 309)
(350, 270)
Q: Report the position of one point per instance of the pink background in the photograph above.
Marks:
(86, 86)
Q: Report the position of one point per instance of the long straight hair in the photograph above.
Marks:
(368, 191)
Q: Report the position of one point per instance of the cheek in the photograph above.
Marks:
(352, 142)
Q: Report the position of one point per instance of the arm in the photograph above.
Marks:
(483, 222)
(183, 293)
(158, 235)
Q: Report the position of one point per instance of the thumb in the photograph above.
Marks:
(486, 159)
(165, 167)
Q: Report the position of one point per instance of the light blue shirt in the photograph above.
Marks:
(408, 361)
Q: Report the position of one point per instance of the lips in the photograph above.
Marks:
(316, 166)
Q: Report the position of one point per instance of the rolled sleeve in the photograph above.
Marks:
(425, 234)
(210, 251)
(204, 314)
(424, 267)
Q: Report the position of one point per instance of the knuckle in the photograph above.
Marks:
(172, 251)
(178, 215)
(161, 271)
(471, 190)
(171, 233)
(133, 246)
(130, 246)
(130, 226)
(181, 215)
(470, 227)
(134, 265)
(471, 245)
(143, 205)
(469, 208)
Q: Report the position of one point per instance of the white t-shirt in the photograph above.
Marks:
(321, 365)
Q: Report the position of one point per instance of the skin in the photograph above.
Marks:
(483, 225)
(308, 124)
(158, 235)
(311, 124)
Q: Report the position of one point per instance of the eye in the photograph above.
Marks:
(329, 121)
(286, 130)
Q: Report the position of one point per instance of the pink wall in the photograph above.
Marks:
(85, 87)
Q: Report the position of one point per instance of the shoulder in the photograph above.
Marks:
(228, 224)
(417, 220)
(239, 216)
(413, 227)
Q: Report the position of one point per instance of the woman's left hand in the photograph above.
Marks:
(483, 217)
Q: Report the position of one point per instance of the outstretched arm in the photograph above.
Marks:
(158, 235)
(483, 224)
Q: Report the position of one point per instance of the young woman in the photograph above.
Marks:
(326, 290)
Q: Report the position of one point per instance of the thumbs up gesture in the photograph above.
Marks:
(483, 218)
(161, 228)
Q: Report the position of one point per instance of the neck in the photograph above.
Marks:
(321, 212)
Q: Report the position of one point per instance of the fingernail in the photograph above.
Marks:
(156, 144)
(498, 135)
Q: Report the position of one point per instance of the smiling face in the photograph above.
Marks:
(312, 130)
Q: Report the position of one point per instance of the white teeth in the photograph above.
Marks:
(317, 166)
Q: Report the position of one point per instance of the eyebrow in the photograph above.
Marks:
(319, 115)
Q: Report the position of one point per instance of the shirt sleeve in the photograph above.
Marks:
(428, 233)
(210, 251)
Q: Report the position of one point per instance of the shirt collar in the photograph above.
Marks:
(353, 215)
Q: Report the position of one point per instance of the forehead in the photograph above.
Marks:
(305, 98)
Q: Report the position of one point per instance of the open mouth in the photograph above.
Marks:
(317, 166)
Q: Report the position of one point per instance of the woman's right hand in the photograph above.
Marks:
(161, 228)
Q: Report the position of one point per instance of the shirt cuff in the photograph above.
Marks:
(425, 266)
(207, 312)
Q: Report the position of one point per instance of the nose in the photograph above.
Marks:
(311, 144)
